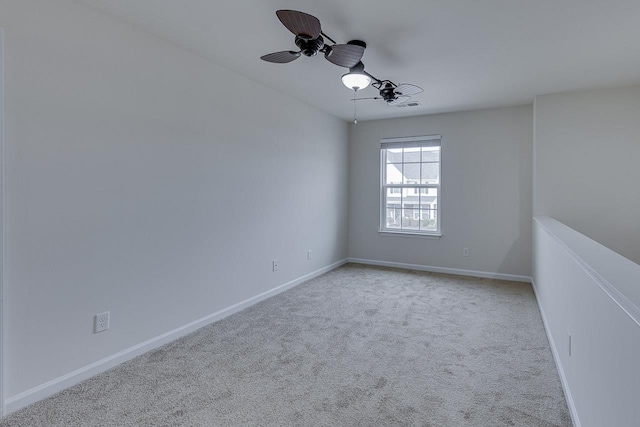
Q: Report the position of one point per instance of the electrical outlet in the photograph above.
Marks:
(465, 251)
(101, 322)
(569, 342)
(309, 254)
(275, 265)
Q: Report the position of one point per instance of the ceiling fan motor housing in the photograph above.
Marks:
(387, 93)
(309, 47)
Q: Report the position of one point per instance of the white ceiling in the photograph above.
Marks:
(466, 54)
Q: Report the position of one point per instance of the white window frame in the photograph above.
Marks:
(426, 140)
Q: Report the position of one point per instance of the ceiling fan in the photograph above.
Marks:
(357, 78)
(393, 94)
(309, 39)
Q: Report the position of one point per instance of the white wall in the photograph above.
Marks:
(145, 180)
(587, 149)
(486, 191)
(592, 293)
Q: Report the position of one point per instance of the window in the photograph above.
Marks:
(410, 185)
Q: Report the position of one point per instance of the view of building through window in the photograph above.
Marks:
(411, 185)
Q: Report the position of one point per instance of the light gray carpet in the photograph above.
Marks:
(359, 346)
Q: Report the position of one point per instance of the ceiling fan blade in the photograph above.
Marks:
(399, 100)
(407, 89)
(344, 55)
(300, 23)
(281, 57)
(362, 99)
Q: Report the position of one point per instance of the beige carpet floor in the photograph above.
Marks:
(358, 346)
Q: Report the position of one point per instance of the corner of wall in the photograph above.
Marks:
(2, 216)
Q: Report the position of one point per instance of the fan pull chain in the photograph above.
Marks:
(355, 117)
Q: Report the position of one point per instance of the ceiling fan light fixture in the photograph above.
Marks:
(356, 80)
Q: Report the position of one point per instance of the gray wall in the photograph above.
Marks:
(147, 181)
(486, 191)
(587, 175)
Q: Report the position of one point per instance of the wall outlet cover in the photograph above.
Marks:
(102, 321)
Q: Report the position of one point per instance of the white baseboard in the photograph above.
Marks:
(563, 378)
(47, 389)
(446, 270)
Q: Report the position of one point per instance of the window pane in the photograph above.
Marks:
(411, 197)
(412, 155)
(430, 154)
(411, 173)
(429, 220)
(394, 194)
(429, 198)
(394, 155)
(393, 218)
(409, 221)
(394, 174)
(430, 173)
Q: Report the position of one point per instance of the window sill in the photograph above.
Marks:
(408, 234)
